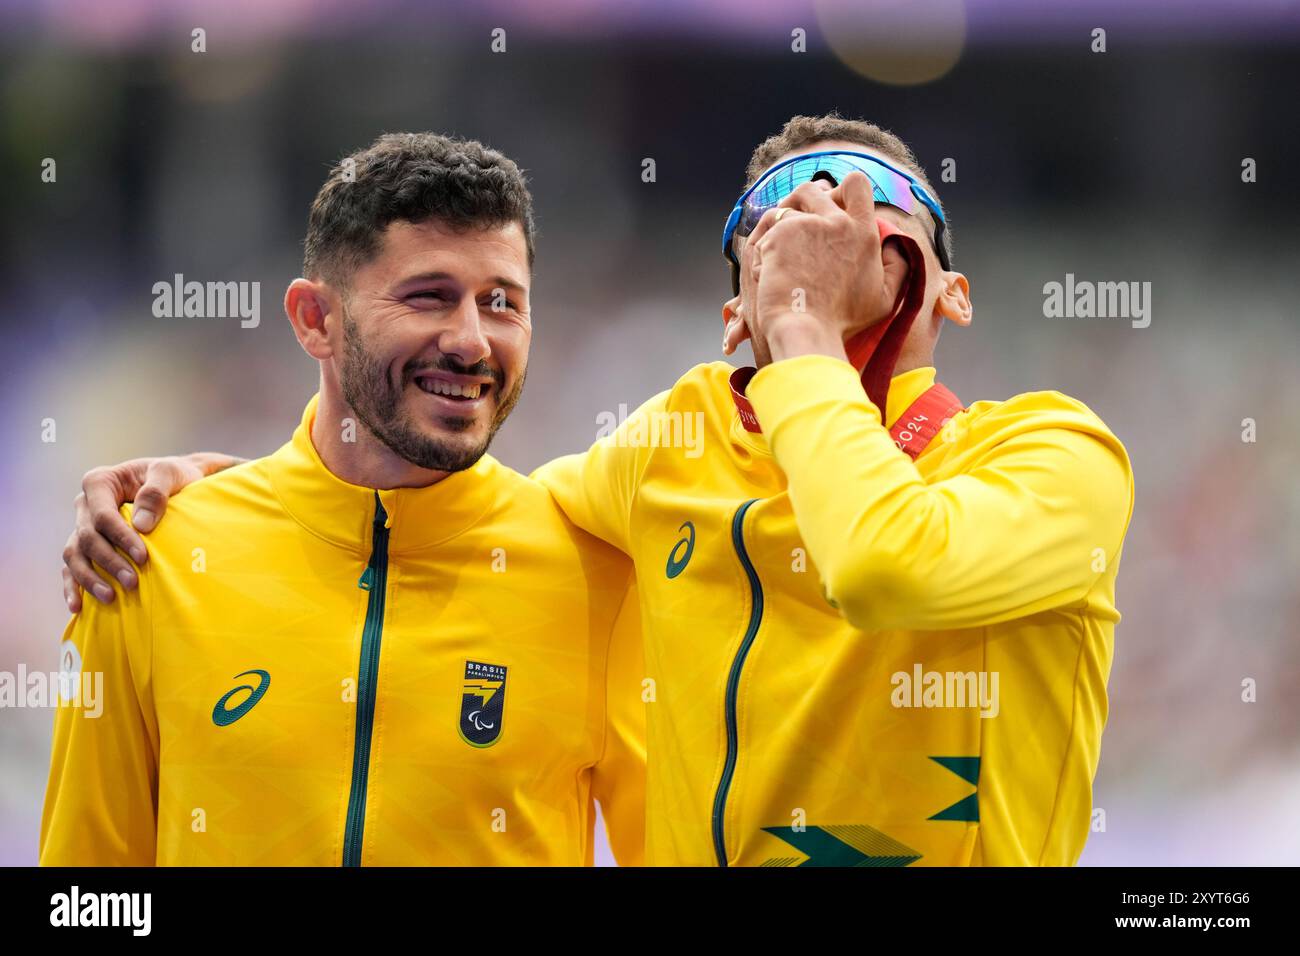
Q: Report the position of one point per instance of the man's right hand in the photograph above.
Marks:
(101, 529)
(819, 271)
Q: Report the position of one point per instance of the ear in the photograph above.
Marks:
(954, 298)
(308, 305)
(734, 328)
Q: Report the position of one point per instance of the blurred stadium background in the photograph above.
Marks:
(1123, 166)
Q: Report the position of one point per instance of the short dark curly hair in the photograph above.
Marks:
(410, 177)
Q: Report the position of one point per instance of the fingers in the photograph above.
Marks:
(101, 530)
(810, 197)
(164, 478)
(97, 509)
(83, 573)
(767, 221)
(71, 592)
(853, 195)
(813, 196)
(93, 541)
(210, 462)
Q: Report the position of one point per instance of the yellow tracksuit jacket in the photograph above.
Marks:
(819, 611)
(315, 673)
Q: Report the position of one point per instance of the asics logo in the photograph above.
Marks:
(680, 555)
(221, 716)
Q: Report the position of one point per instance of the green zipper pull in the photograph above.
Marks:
(380, 525)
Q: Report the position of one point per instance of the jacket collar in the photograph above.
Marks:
(343, 513)
(904, 389)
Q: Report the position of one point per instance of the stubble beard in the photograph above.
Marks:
(378, 407)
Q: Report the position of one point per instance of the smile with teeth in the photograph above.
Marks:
(436, 386)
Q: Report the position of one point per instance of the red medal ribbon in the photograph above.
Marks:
(913, 431)
(924, 418)
(739, 382)
(875, 350)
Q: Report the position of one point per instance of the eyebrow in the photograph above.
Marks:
(446, 276)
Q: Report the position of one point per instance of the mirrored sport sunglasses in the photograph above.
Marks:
(889, 185)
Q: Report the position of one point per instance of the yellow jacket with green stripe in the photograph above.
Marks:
(315, 673)
(851, 657)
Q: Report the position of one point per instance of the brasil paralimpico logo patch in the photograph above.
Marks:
(482, 703)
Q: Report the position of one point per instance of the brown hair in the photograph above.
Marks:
(803, 131)
(411, 177)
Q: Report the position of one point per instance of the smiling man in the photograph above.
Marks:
(377, 645)
(878, 623)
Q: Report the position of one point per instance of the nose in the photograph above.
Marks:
(462, 335)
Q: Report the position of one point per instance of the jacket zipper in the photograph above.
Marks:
(733, 680)
(374, 580)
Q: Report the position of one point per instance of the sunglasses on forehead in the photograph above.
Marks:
(889, 185)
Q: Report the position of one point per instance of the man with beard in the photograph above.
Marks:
(879, 622)
(376, 645)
